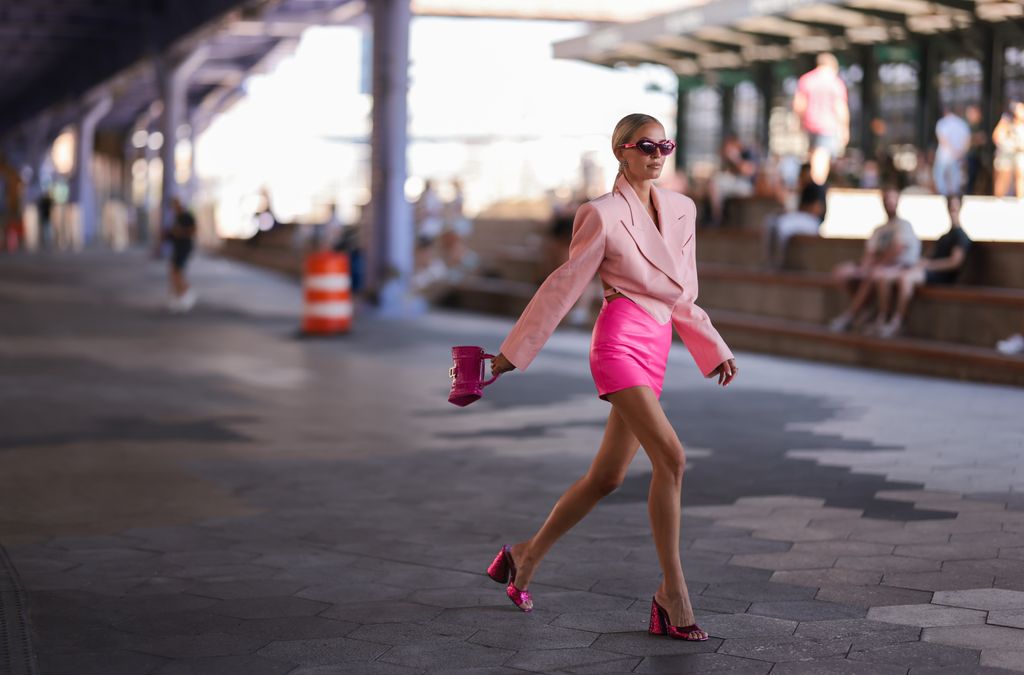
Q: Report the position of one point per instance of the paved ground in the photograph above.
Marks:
(210, 494)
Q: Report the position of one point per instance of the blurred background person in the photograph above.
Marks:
(941, 267)
(892, 248)
(805, 220)
(428, 219)
(44, 213)
(734, 178)
(181, 236)
(977, 150)
(954, 140)
(821, 102)
(1008, 165)
(458, 259)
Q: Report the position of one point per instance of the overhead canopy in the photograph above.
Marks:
(55, 54)
(727, 34)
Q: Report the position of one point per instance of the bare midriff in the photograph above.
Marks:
(608, 297)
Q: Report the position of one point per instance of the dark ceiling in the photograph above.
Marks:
(53, 52)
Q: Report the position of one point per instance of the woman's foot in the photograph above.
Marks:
(680, 613)
(524, 565)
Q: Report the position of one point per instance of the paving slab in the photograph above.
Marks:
(927, 615)
(916, 655)
(1013, 618)
(695, 664)
(981, 598)
(976, 637)
(836, 666)
(871, 596)
(806, 610)
(1010, 659)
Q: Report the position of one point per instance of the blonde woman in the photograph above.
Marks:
(1009, 160)
(640, 240)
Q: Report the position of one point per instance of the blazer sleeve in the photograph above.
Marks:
(705, 345)
(560, 290)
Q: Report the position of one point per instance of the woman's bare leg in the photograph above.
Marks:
(641, 410)
(606, 473)
(1001, 182)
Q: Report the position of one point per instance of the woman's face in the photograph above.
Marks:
(638, 165)
(1018, 112)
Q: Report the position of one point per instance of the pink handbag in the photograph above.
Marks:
(467, 373)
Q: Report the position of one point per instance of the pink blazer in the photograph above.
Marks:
(615, 237)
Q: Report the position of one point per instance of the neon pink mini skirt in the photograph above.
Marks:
(628, 348)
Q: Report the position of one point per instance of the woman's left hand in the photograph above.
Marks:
(725, 371)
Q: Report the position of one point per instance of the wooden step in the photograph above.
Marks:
(811, 341)
(489, 295)
(995, 264)
(969, 315)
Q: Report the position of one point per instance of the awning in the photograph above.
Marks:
(726, 34)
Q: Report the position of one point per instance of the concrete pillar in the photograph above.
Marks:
(83, 187)
(868, 101)
(390, 240)
(682, 100)
(927, 91)
(727, 122)
(993, 65)
(174, 79)
(766, 88)
(38, 138)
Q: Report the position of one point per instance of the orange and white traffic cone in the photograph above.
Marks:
(328, 294)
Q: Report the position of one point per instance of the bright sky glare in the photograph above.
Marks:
(487, 104)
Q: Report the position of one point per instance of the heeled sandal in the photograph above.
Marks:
(660, 625)
(503, 571)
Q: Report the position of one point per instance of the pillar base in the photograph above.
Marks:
(396, 301)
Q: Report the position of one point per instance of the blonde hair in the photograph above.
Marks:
(627, 126)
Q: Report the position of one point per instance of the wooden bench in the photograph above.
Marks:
(968, 315)
(995, 264)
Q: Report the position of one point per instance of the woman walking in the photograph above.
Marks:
(639, 239)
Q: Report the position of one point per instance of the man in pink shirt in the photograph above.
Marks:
(822, 104)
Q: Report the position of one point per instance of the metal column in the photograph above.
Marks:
(993, 65)
(390, 240)
(728, 94)
(682, 99)
(868, 102)
(84, 187)
(766, 88)
(173, 90)
(927, 92)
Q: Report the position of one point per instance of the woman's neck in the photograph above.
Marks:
(642, 188)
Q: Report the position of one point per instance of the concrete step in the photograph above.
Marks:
(811, 341)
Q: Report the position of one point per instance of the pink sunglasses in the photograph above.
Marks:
(647, 146)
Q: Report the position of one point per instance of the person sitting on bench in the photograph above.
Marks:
(805, 220)
(941, 267)
(892, 249)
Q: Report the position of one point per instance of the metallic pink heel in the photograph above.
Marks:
(503, 570)
(519, 598)
(660, 625)
(500, 570)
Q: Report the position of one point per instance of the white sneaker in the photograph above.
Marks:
(840, 323)
(1011, 345)
(188, 300)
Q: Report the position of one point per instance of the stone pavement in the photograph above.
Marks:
(210, 494)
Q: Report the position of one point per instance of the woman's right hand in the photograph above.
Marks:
(501, 365)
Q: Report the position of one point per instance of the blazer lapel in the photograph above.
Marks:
(644, 232)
